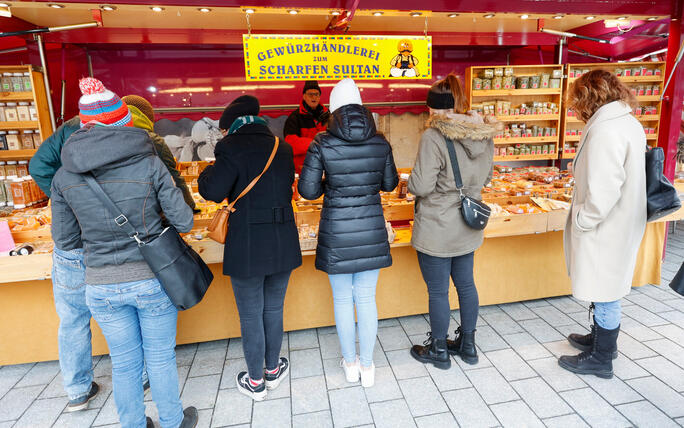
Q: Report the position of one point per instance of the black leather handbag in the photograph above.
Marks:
(475, 213)
(661, 197)
(180, 270)
(677, 283)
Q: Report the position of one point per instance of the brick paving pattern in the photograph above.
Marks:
(516, 383)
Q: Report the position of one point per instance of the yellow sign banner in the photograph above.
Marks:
(332, 57)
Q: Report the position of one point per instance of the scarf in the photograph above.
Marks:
(245, 120)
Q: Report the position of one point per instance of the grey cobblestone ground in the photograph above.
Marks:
(516, 383)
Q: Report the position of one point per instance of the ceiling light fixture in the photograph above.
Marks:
(452, 15)
(107, 7)
(378, 13)
(414, 14)
(157, 8)
(249, 10)
(653, 18)
(558, 17)
(335, 12)
(293, 11)
(489, 15)
(56, 6)
(622, 18)
(524, 16)
(204, 9)
(589, 18)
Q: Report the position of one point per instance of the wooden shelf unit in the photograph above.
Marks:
(647, 120)
(38, 95)
(517, 97)
(9, 155)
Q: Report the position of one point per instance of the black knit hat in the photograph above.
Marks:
(311, 84)
(439, 101)
(241, 106)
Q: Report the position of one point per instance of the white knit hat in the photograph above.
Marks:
(344, 93)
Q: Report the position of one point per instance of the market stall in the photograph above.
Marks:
(190, 61)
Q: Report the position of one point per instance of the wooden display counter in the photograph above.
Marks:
(519, 260)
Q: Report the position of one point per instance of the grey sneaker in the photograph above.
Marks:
(81, 403)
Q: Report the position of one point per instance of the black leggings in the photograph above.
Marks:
(260, 305)
(436, 272)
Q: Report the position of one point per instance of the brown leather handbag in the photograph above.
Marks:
(218, 228)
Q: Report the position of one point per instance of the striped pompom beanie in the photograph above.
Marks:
(102, 106)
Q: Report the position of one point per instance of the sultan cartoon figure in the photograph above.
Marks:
(404, 64)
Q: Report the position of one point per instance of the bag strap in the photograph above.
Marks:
(454, 165)
(119, 218)
(254, 182)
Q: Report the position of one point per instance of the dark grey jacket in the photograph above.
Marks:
(124, 163)
(358, 164)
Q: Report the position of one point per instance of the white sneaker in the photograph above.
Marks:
(367, 376)
(351, 372)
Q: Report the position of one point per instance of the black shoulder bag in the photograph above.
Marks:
(475, 213)
(180, 270)
(661, 196)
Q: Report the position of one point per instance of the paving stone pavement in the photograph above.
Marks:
(516, 383)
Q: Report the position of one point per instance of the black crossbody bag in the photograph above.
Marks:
(181, 271)
(661, 196)
(475, 213)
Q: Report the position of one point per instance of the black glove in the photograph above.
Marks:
(324, 117)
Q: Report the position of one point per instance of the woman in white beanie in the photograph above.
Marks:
(352, 239)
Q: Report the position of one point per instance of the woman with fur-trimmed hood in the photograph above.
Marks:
(445, 244)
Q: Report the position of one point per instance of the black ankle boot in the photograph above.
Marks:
(583, 342)
(434, 352)
(598, 360)
(464, 346)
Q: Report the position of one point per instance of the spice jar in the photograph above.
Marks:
(28, 191)
(27, 82)
(27, 140)
(2, 169)
(37, 141)
(22, 169)
(33, 112)
(6, 82)
(11, 112)
(23, 112)
(17, 82)
(3, 140)
(2, 112)
(7, 186)
(18, 195)
(11, 169)
(403, 185)
(13, 142)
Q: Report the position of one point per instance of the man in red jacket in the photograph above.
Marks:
(304, 123)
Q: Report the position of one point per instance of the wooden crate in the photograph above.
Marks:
(556, 220)
(520, 224)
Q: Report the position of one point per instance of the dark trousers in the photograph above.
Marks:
(260, 305)
(436, 272)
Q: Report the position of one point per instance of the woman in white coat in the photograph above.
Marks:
(608, 214)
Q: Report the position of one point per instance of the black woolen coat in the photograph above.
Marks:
(357, 164)
(262, 235)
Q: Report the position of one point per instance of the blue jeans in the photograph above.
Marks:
(350, 289)
(608, 314)
(139, 322)
(260, 305)
(75, 350)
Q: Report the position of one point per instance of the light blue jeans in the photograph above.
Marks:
(608, 314)
(139, 321)
(75, 350)
(358, 289)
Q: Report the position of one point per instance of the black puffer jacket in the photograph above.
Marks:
(358, 164)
